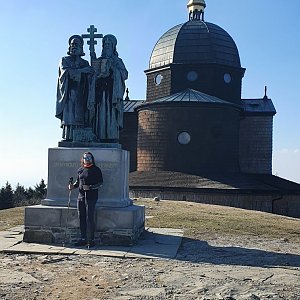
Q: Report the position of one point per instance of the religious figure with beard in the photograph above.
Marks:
(73, 87)
(107, 102)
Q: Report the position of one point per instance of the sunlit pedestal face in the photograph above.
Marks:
(63, 163)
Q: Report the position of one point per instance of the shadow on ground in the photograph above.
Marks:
(198, 251)
(166, 243)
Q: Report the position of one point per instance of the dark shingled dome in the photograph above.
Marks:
(195, 42)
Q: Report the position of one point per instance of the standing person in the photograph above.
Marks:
(88, 181)
(73, 89)
(109, 84)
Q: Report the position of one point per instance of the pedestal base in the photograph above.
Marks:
(60, 225)
(118, 222)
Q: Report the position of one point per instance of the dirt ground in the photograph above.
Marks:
(226, 254)
(213, 267)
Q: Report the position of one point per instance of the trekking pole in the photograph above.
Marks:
(88, 246)
(67, 220)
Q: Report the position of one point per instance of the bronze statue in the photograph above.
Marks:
(90, 98)
(73, 89)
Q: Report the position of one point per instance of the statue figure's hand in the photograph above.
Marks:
(75, 75)
(88, 70)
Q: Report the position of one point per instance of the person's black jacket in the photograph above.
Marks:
(91, 177)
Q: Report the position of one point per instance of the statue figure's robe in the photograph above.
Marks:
(72, 95)
(108, 98)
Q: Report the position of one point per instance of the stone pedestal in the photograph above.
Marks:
(118, 221)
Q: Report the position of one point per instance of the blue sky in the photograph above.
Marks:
(34, 37)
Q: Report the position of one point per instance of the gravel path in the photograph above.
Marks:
(216, 267)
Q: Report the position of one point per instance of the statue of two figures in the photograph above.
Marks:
(90, 97)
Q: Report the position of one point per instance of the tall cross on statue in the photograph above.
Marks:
(92, 35)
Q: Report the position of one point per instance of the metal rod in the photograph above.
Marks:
(67, 219)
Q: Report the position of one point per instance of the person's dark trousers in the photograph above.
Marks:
(86, 212)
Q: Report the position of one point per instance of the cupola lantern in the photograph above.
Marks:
(196, 9)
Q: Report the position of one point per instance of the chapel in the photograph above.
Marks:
(194, 138)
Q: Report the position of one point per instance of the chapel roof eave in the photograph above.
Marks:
(188, 97)
(169, 66)
(258, 107)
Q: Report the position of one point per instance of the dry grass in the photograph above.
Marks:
(11, 217)
(200, 219)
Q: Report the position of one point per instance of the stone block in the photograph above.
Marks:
(120, 218)
(69, 218)
(39, 236)
(41, 216)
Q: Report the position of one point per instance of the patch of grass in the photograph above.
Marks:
(11, 217)
(198, 219)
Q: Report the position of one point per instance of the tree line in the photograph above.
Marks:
(21, 196)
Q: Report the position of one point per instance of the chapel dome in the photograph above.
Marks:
(195, 42)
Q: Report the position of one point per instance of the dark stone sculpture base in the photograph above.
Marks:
(71, 144)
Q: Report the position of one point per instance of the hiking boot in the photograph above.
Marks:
(91, 244)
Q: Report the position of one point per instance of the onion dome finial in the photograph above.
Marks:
(196, 9)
